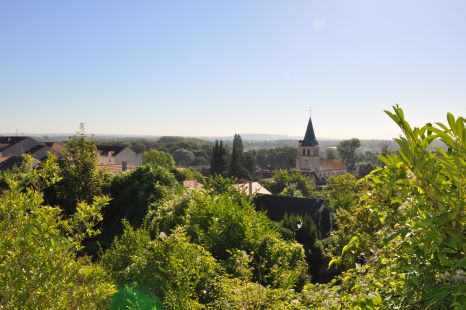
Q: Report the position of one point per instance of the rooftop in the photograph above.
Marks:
(309, 137)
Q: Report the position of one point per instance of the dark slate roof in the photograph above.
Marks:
(8, 141)
(309, 137)
(276, 206)
(104, 149)
(14, 161)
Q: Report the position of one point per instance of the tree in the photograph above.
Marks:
(132, 195)
(218, 163)
(347, 152)
(225, 223)
(81, 179)
(330, 153)
(411, 223)
(159, 158)
(183, 157)
(279, 157)
(40, 267)
(236, 167)
(291, 183)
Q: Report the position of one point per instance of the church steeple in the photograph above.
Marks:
(309, 137)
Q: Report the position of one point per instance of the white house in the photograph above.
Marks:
(118, 155)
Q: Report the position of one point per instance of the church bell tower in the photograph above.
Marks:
(308, 160)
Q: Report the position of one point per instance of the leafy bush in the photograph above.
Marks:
(416, 240)
(39, 266)
(226, 224)
(171, 268)
(291, 183)
(132, 193)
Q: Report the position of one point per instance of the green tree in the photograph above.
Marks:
(132, 195)
(184, 173)
(279, 157)
(224, 224)
(411, 223)
(171, 269)
(158, 158)
(347, 152)
(291, 183)
(236, 167)
(330, 153)
(39, 263)
(218, 162)
(81, 179)
(183, 157)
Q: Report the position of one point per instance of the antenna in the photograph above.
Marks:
(310, 112)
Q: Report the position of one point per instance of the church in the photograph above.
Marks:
(309, 162)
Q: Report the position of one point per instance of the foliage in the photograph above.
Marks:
(183, 157)
(236, 168)
(218, 163)
(226, 224)
(81, 179)
(39, 266)
(159, 158)
(170, 144)
(341, 191)
(347, 152)
(239, 294)
(416, 206)
(181, 274)
(304, 230)
(184, 173)
(291, 183)
(219, 184)
(132, 193)
(330, 153)
(280, 157)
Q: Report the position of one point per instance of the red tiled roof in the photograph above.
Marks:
(331, 164)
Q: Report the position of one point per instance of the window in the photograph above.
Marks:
(304, 152)
(308, 152)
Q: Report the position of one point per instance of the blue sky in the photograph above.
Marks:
(211, 68)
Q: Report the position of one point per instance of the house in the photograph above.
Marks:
(309, 161)
(10, 162)
(13, 148)
(193, 185)
(117, 155)
(117, 168)
(251, 188)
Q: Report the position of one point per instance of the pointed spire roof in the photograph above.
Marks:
(309, 137)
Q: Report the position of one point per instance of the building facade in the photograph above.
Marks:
(309, 162)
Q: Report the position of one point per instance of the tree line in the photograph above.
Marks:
(74, 236)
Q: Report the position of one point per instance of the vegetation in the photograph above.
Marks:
(159, 158)
(291, 183)
(39, 265)
(164, 247)
(81, 179)
(218, 164)
(279, 157)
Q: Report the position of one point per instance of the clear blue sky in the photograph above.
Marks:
(210, 68)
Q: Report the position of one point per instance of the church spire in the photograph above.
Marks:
(309, 137)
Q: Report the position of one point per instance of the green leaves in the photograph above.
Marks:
(418, 240)
(39, 266)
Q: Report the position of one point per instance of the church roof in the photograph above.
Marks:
(330, 165)
(309, 137)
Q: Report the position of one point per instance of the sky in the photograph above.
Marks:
(215, 68)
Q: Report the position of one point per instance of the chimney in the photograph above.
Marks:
(250, 188)
(124, 166)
